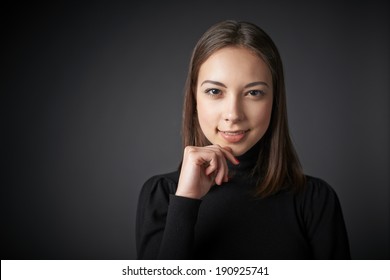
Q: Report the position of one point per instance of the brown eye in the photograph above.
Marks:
(256, 93)
(212, 91)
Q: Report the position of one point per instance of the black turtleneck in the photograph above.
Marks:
(230, 223)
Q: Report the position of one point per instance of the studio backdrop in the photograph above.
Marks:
(91, 105)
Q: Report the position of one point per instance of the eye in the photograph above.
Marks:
(212, 91)
(256, 93)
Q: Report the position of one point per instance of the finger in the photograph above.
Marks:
(226, 170)
(223, 170)
(221, 174)
(228, 149)
(213, 164)
(212, 177)
(223, 166)
(217, 168)
(214, 160)
(228, 153)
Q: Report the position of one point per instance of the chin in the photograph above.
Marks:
(238, 151)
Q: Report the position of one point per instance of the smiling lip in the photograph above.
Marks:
(233, 136)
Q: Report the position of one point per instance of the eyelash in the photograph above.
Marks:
(258, 93)
(208, 91)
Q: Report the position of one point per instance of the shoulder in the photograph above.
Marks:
(318, 188)
(160, 185)
(318, 194)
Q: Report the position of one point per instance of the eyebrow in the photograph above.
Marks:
(246, 86)
(256, 84)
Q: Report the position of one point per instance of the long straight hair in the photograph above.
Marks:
(277, 165)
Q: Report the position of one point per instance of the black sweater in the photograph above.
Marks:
(230, 223)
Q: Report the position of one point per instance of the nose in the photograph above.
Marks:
(233, 111)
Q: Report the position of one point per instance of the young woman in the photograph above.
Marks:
(240, 192)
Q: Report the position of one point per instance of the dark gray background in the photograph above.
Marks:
(91, 108)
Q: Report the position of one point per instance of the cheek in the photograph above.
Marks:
(261, 117)
(206, 115)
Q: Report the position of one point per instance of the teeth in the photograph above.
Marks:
(233, 133)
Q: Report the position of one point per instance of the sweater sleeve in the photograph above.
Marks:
(165, 222)
(324, 221)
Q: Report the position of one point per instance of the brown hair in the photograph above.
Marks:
(277, 164)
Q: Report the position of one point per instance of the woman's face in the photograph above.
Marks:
(234, 98)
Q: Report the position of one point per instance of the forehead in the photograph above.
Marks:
(234, 62)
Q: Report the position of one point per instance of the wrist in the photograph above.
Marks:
(188, 195)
